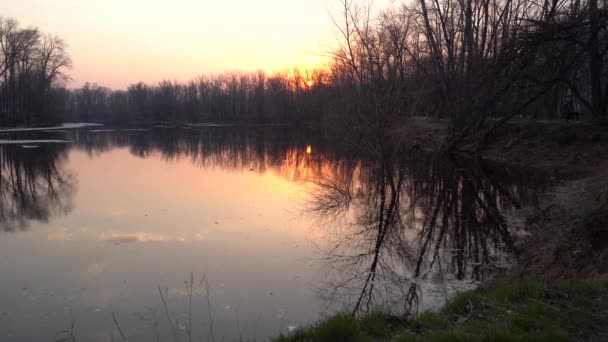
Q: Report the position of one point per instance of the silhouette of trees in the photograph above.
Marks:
(291, 95)
(30, 64)
(476, 63)
(470, 60)
(403, 223)
(33, 185)
(398, 221)
(33, 66)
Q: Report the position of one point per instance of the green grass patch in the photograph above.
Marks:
(517, 311)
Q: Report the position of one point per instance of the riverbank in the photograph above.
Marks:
(559, 289)
(521, 311)
(566, 150)
(566, 229)
(567, 233)
(558, 292)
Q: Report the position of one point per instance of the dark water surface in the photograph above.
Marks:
(257, 229)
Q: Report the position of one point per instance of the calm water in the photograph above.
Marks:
(261, 229)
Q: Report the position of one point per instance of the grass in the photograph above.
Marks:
(517, 311)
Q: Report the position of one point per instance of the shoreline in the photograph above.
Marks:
(508, 311)
(562, 263)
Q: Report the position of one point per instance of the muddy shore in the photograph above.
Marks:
(566, 230)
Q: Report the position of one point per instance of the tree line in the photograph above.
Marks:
(32, 64)
(289, 95)
(34, 70)
(466, 61)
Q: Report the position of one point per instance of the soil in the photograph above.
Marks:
(567, 150)
(567, 234)
(568, 227)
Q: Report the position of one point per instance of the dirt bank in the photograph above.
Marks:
(566, 150)
(566, 230)
(567, 233)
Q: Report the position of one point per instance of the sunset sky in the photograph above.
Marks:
(117, 42)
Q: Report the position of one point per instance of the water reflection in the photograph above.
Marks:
(396, 228)
(396, 217)
(33, 185)
(282, 151)
(409, 224)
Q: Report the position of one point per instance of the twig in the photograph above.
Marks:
(190, 308)
(168, 315)
(122, 336)
(72, 323)
(209, 310)
(238, 324)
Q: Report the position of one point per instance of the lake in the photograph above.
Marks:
(221, 232)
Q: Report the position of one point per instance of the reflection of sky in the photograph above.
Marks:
(139, 223)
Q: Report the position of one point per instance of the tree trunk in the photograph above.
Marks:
(595, 64)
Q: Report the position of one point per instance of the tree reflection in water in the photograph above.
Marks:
(399, 221)
(410, 219)
(33, 185)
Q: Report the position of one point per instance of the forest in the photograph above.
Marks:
(464, 61)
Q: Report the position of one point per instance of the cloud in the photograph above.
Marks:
(60, 234)
(137, 237)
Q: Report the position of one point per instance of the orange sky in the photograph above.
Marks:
(117, 42)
